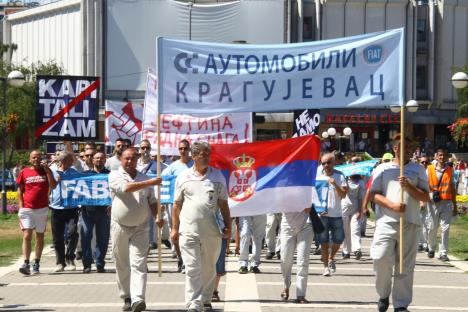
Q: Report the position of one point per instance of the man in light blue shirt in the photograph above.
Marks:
(63, 217)
(185, 162)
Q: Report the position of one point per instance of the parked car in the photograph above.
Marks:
(10, 183)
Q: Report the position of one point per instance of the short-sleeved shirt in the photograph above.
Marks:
(35, 188)
(56, 195)
(112, 163)
(385, 182)
(333, 198)
(177, 167)
(132, 208)
(353, 200)
(198, 196)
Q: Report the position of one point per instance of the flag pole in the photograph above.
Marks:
(402, 164)
(158, 216)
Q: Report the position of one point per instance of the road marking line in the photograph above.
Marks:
(368, 285)
(346, 268)
(356, 306)
(241, 291)
(287, 306)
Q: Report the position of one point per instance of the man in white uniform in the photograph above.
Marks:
(385, 192)
(199, 200)
(133, 203)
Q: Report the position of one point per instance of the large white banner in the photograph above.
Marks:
(214, 129)
(201, 77)
(123, 120)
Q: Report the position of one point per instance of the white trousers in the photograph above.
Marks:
(298, 239)
(352, 230)
(130, 253)
(273, 221)
(424, 234)
(251, 227)
(199, 255)
(386, 255)
(439, 213)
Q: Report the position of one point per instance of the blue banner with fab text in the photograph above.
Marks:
(93, 190)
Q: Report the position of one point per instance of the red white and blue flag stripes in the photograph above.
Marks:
(269, 176)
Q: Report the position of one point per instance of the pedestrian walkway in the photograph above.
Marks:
(438, 286)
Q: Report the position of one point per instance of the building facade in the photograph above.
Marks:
(116, 40)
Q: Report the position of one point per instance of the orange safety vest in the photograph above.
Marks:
(445, 187)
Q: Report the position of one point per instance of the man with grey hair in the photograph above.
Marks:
(200, 202)
(133, 203)
(63, 217)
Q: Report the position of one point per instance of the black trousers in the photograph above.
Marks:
(62, 219)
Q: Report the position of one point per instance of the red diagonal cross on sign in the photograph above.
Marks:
(67, 108)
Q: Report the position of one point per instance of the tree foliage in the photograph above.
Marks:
(21, 102)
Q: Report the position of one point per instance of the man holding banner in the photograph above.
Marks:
(386, 188)
(95, 217)
(133, 203)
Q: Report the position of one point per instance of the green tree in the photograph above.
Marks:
(21, 102)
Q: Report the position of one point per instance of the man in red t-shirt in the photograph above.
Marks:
(33, 197)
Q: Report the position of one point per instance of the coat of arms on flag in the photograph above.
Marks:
(242, 179)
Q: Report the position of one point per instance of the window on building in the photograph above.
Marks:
(308, 30)
(421, 30)
(421, 82)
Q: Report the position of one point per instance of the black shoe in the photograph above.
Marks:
(270, 255)
(254, 269)
(167, 243)
(86, 270)
(100, 269)
(207, 307)
(79, 255)
(318, 251)
(127, 305)
(346, 256)
(444, 258)
(139, 306)
(420, 248)
(358, 254)
(383, 304)
(180, 263)
(278, 255)
(153, 246)
(401, 309)
(25, 269)
(243, 270)
(430, 254)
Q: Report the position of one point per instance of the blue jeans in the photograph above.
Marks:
(333, 229)
(95, 217)
(221, 263)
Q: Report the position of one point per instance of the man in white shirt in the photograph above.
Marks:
(133, 203)
(385, 191)
(113, 163)
(331, 218)
(199, 200)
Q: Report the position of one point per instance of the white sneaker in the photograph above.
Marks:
(332, 266)
(71, 264)
(59, 268)
(326, 272)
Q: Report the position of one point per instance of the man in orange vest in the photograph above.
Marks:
(443, 203)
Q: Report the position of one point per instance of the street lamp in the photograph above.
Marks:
(412, 107)
(460, 80)
(331, 133)
(15, 79)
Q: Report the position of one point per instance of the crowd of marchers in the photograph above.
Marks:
(190, 226)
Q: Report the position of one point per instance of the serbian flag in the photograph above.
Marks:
(268, 176)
